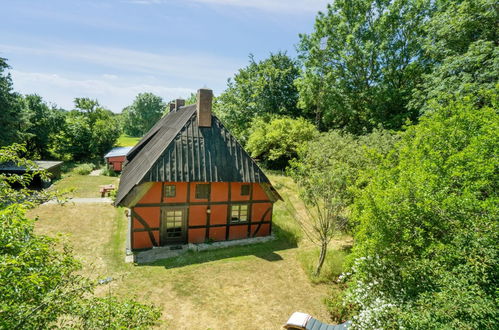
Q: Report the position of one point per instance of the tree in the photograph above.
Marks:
(426, 253)
(40, 284)
(11, 120)
(328, 171)
(261, 89)
(42, 123)
(89, 132)
(462, 46)
(277, 141)
(361, 63)
(144, 112)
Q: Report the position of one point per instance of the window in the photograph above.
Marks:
(203, 191)
(174, 223)
(245, 190)
(239, 213)
(170, 190)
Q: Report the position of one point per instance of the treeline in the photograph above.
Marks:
(86, 132)
(388, 122)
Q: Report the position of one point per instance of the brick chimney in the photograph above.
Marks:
(172, 106)
(179, 103)
(204, 100)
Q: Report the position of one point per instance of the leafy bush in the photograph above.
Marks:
(277, 141)
(108, 171)
(84, 169)
(40, 281)
(426, 253)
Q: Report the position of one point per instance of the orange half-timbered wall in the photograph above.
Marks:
(206, 219)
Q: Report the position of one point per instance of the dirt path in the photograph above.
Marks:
(81, 200)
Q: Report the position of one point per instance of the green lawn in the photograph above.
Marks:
(245, 287)
(83, 185)
(127, 141)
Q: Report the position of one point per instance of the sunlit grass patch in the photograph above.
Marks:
(332, 268)
(127, 141)
(83, 185)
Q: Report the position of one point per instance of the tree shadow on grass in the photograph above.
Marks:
(267, 251)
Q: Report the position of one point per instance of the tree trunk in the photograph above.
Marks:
(322, 257)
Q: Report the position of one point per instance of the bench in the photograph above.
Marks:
(106, 189)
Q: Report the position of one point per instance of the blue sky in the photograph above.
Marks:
(112, 50)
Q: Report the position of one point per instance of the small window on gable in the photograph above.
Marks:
(170, 190)
(203, 191)
(245, 190)
(239, 213)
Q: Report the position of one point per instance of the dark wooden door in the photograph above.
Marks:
(173, 225)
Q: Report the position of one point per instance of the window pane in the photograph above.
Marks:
(245, 190)
(170, 190)
(203, 191)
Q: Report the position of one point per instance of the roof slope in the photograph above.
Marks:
(177, 150)
(118, 151)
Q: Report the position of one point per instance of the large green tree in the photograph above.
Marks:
(89, 132)
(11, 120)
(462, 45)
(42, 122)
(361, 63)
(142, 114)
(262, 88)
(426, 253)
(328, 172)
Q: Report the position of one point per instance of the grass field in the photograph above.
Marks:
(127, 141)
(83, 185)
(246, 287)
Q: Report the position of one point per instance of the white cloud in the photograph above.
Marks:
(272, 5)
(285, 6)
(111, 91)
(203, 68)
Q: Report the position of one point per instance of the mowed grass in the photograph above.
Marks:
(127, 141)
(247, 287)
(83, 185)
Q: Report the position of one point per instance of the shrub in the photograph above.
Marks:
(84, 169)
(108, 171)
(277, 141)
(426, 253)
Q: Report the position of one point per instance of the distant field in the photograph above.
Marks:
(246, 287)
(127, 141)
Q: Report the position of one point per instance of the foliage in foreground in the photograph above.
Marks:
(426, 253)
(40, 284)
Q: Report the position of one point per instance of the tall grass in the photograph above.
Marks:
(332, 268)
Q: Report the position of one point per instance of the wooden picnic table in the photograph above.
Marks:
(106, 189)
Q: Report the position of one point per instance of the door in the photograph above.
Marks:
(173, 225)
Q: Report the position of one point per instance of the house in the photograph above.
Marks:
(53, 169)
(116, 157)
(189, 181)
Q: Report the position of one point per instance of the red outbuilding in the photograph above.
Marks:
(189, 181)
(116, 157)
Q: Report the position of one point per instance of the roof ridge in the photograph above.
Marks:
(183, 116)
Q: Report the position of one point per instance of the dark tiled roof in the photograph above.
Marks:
(177, 150)
(40, 164)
